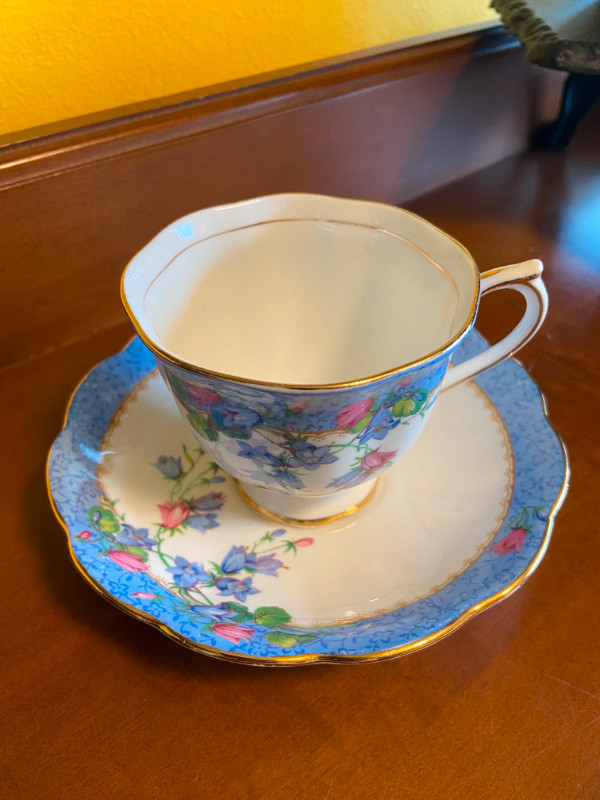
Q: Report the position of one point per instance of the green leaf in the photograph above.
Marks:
(104, 520)
(188, 457)
(137, 551)
(241, 613)
(202, 427)
(405, 407)
(410, 404)
(236, 433)
(177, 385)
(271, 616)
(198, 423)
(306, 637)
(363, 423)
(281, 639)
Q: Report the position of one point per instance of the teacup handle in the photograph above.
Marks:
(524, 278)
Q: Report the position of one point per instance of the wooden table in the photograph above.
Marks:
(96, 704)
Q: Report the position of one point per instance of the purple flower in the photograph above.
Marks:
(132, 537)
(234, 420)
(235, 560)
(239, 589)
(278, 532)
(278, 466)
(169, 466)
(276, 416)
(285, 478)
(308, 455)
(208, 502)
(186, 574)
(267, 565)
(202, 522)
(258, 455)
(352, 478)
(379, 426)
(218, 612)
(238, 559)
(240, 417)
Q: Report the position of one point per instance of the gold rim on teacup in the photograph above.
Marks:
(307, 285)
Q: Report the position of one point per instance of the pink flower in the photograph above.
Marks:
(306, 542)
(349, 416)
(84, 535)
(512, 541)
(376, 459)
(173, 514)
(144, 595)
(298, 408)
(232, 632)
(203, 396)
(128, 561)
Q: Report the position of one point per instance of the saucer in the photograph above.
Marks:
(160, 530)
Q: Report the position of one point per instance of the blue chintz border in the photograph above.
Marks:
(541, 472)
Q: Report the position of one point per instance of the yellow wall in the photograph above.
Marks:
(66, 58)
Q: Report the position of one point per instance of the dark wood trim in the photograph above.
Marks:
(490, 32)
(77, 205)
(228, 105)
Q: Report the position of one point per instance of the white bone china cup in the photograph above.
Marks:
(306, 338)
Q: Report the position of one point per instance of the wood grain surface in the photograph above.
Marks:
(94, 704)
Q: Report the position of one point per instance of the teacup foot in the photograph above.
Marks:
(306, 511)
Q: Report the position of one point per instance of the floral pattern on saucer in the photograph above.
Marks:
(120, 559)
(212, 596)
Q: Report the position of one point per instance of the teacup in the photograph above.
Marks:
(306, 338)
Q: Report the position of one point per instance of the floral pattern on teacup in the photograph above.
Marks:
(290, 438)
